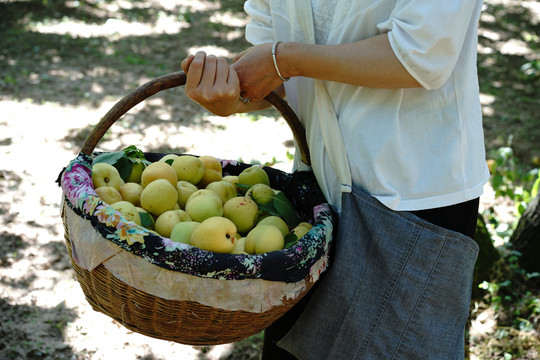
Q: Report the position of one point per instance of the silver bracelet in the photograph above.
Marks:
(274, 50)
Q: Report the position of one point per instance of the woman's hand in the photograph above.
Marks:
(256, 72)
(212, 83)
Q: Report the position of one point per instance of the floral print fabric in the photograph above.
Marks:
(288, 265)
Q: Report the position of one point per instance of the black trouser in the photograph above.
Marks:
(461, 217)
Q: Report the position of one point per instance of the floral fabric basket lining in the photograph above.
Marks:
(151, 263)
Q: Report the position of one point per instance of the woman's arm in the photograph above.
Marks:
(369, 63)
(217, 86)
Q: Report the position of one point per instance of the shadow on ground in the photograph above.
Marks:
(26, 341)
(510, 72)
(73, 70)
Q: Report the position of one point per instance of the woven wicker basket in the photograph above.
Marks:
(178, 317)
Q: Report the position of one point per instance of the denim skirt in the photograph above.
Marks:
(398, 288)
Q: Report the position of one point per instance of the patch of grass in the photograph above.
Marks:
(511, 295)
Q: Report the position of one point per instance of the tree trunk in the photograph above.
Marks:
(526, 237)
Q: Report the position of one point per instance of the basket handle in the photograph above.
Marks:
(179, 79)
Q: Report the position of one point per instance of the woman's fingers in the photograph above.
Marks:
(212, 83)
(222, 71)
(226, 83)
(186, 63)
(215, 84)
(195, 73)
(209, 72)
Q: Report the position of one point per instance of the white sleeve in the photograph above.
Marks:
(427, 36)
(259, 30)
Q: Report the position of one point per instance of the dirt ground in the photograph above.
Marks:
(63, 65)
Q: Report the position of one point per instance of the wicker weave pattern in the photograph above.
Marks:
(185, 322)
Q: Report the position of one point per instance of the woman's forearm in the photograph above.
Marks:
(368, 63)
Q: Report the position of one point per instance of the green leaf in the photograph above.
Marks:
(124, 166)
(280, 206)
(243, 187)
(119, 160)
(109, 158)
(536, 185)
(496, 181)
(133, 152)
(146, 220)
(520, 207)
(269, 209)
(265, 200)
(169, 161)
(290, 240)
(286, 209)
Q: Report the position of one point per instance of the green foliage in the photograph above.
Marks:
(8, 79)
(135, 60)
(509, 180)
(187, 17)
(515, 307)
(284, 207)
(530, 70)
(146, 220)
(511, 294)
(506, 287)
(133, 152)
(290, 240)
(280, 206)
(290, 156)
(122, 160)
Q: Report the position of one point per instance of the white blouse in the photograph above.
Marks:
(410, 148)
